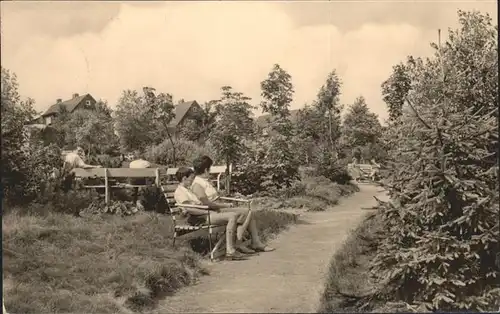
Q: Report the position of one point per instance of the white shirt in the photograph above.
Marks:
(210, 190)
(73, 160)
(183, 195)
(139, 164)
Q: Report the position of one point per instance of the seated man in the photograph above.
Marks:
(183, 195)
(208, 195)
(375, 169)
(72, 160)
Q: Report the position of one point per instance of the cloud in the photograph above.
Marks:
(192, 49)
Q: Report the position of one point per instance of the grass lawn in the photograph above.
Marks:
(59, 263)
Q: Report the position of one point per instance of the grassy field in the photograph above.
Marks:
(103, 264)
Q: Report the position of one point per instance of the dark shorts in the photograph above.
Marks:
(196, 220)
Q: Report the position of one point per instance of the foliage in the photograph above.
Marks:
(161, 108)
(361, 126)
(279, 156)
(15, 114)
(142, 120)
(234, 125)
(442, 228)
(186, 152)
(90, 129)
(277, 91)
(328, 104)
(332, 168)
(396, 88)
(41, 161)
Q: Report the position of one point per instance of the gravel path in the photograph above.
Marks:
(288, 280)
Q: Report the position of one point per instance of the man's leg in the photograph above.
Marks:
(244, 217)
(229, 219)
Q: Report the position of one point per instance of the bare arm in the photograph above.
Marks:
(194, 209)
(200, 193)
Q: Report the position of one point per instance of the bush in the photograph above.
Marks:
(106, 161)
(267, 167)
(332, 168)
(185, 153)
(442, 227)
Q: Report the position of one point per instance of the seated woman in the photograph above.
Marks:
(183, 195)
(208, 195)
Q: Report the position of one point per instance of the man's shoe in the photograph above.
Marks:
(245, 250)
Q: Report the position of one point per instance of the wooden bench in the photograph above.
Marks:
(111, 174)
(365, 170)
(184, 230)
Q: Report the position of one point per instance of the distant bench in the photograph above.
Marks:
(112, 176)
(365, 169)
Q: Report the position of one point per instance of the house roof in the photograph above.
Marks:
(70, 105)
(261, 121)
(180, 111)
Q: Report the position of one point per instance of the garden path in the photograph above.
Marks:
(288, 280)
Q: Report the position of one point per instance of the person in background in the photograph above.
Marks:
(183, 195)
(208, 195)
(75, 159)
(72, 160)
(356, 172)
(375, 169)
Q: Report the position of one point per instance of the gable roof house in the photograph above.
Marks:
(76, 102)
(184, 111)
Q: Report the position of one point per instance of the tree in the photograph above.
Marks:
(161, 108)
(441, 230)
(234, 125)
(277, 93)
(142, 120)
(361, 127)
(328, 103)
(16, 113)
(92, 130)
(396, 88)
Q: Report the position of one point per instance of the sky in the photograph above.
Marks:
(192, 49)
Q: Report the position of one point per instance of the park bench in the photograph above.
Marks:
(112, 176)
(182, 229)
(364, 169)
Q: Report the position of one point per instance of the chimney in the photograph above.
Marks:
(59, 100)
(75, 95)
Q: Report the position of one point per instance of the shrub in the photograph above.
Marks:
(185, 152)
(106, 161)
(443, 224)
(332, 168)
(267, 167)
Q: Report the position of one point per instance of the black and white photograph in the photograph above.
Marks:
(249, 156)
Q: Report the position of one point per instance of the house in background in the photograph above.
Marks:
(76, 102)
(184, 111)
